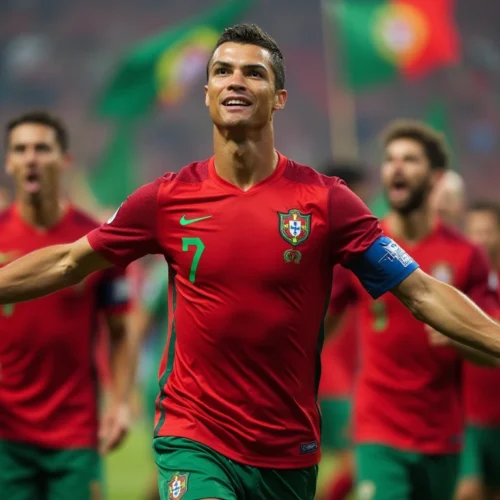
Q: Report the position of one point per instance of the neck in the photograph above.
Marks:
(411, 227)
(41, 213)
(244, 159)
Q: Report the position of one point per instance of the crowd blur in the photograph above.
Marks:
(58, 54)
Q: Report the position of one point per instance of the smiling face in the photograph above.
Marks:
(407, 176)
(241, 89)
(35, 160)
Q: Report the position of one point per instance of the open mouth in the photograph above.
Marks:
(236, 102)
(32, 183)
(399, 189)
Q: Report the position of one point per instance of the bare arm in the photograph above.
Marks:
(449, 311)
(48, 270)
(468, 353)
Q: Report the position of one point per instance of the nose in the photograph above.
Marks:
(30, 155)
(237, 81)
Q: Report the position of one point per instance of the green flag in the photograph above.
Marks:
(114, 176)
(161, 67)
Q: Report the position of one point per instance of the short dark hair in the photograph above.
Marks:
(351, 172)
(41, 117)
(433, 142)
(253, 35)
(485, 206)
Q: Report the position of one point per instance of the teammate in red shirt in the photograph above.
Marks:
(480, 461)
(408, 412)
(339, 362)
(251, 239)
(48, 379)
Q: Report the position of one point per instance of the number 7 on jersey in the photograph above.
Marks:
(199, 247)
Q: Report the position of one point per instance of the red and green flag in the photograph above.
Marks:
(382, 40)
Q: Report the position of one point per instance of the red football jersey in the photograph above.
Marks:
(480, 407)
(408, 393)
(48, 389)
(339, 360)
(250, 274)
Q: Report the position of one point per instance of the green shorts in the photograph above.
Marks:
(481, 455)
(386, 473)
(189, 470)
(30, 472)
(335, 423)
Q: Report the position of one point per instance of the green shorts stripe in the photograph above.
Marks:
(171, 340)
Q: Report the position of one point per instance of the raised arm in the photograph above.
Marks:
(48, 270)
(449, 311)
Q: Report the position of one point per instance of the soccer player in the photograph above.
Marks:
(408, 413)
(48, 394)
(150, 316)
(339, 361)
(251, 238)
(448, 199)
(480, 460)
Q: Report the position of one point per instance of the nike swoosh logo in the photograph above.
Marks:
(186, 222)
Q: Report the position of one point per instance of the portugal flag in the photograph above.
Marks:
(382, 40)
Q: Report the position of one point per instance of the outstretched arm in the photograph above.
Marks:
(48, 270)
(127, 236)
(449, 311)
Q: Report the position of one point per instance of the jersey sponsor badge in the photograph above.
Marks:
(177, 486)
(295, 228)
(442, 271)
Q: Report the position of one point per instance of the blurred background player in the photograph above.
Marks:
(48, 394)
(149, 325)
(480, 462)
(339, 362)
(448, 199)
(408, 410)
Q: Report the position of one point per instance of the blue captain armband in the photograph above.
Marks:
(382, 266)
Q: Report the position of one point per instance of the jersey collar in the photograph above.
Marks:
(278, 172)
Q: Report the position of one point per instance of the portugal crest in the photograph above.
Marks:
(295, 226)
(177, 486)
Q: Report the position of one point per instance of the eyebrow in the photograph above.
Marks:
(225, 64)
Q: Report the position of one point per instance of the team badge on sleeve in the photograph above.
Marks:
(295, 228)
(177, 486)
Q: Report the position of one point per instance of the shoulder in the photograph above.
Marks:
(452, 235)
(304, 174)
(468, 251)
(194, 173)
(81, 218)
